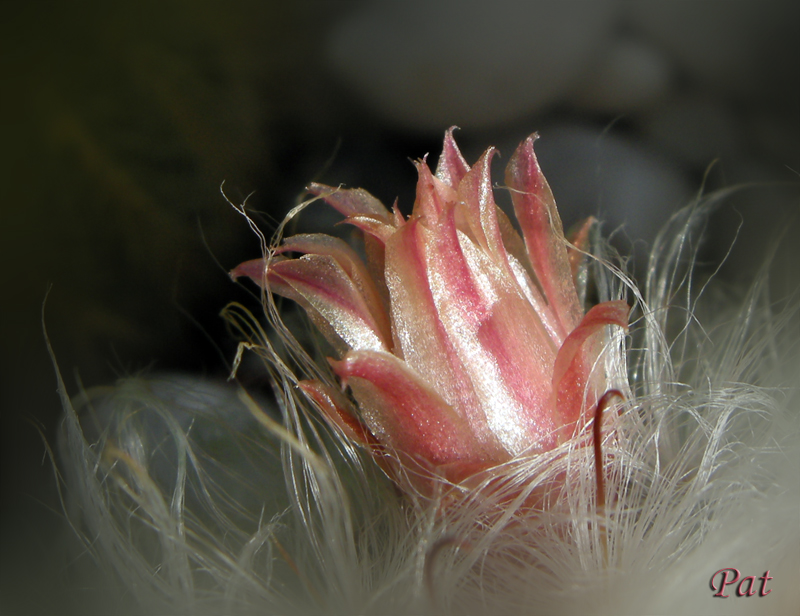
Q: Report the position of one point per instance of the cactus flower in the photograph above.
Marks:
(464, 343)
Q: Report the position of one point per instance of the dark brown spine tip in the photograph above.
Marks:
(597, 437)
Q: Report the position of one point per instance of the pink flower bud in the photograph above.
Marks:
(463, 343)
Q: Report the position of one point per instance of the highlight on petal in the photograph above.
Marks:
(480, 311)
(324, 284)
(351, 264)
(421, 338)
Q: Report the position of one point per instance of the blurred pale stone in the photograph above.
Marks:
(695, 129)
(743, 48)
(629, 77)
(430, 65)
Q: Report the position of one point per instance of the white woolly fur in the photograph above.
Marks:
(202, 500)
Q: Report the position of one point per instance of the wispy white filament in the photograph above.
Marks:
(199, 505)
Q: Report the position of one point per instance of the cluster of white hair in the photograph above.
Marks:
(204, 499)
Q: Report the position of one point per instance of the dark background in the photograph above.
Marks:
(121, 120)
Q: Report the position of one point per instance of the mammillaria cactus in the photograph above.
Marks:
(467, 369)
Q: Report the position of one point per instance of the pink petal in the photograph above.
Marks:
(452, 166)
(349, 261)
(335, 409)
(375, 226)
(399, 221)
(476, 195)
(576, 356)
(404, 412)
(541, 227)
(492, 230)
(579, 238)
(369, 215)
(505, 348)
(321, 244)
(578, 259)
(322, 282)
(350, 201)
(420, 338)
(255, 269)
(517, 366)
(433, 195)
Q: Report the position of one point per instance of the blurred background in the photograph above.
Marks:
(122, 120)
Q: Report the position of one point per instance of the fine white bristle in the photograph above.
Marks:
(203, 499)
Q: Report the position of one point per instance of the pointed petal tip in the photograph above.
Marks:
(334, 408)
(399, 219)
(341, 368)
(450, 141)
(321, 190)
(427, 202)
(452, 166)
(531, 139)
(254, 269)
(488, 155)
(524, 157)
